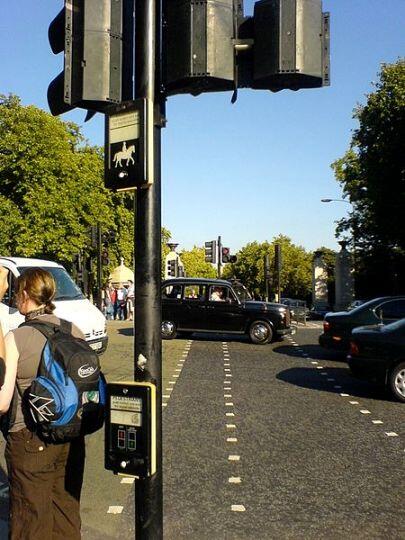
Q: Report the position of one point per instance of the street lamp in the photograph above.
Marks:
(336, 200)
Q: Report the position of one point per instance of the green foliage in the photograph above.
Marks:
(195, 265)
(296, 271)
(372, 175)
(50, 183)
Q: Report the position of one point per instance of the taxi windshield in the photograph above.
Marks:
(241, 292)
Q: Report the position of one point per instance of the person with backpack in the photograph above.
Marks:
(45, 477)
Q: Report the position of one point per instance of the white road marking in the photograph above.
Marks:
(229, 404)
(231, 439)
(115, 509)
(227, 369)
(128, 480)
(172, 382)
(177, 369)
(233, 458)
(234, 480)
(365, 411)
(227, 395)
(314, 363)
(166, 396)
(238, 508)
(231, 426)
(320, 367)
(353, 402)
(391, 434)
(345, 395)
(164, 404)
(377, 421)
(229, 414)
(175, 376)
(227, 364)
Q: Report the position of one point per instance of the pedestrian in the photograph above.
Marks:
(113, 296)
(45, 479)
(108, 303)
(122, 302)
(3, 290)
(130, 300)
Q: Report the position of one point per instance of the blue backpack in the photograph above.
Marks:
(67, 398)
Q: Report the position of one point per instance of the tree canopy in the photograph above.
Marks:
(195, 265)
(296, 270)
(372, 175)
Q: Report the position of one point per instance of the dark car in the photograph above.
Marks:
(337, 327)
(377, 353)
(214, 305)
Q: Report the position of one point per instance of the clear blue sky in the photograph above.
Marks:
(247, 171)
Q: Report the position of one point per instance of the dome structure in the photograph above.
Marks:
(121, 274)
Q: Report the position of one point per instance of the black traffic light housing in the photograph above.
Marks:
(211, 252)
(97, 39)
(172, 267)
(225, 254)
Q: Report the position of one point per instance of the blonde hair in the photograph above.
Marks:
(39, 285)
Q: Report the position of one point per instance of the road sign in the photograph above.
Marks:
(129, 145)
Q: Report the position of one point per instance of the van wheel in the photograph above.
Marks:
(168, 330)
(260, 333)
(396, 381)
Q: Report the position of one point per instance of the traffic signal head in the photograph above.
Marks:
(225, 254)
(105, 259)
(211, 251)
(172, 268)
(198, 45)
(291, 45)
(97, 39)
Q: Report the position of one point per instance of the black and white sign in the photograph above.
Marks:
(128, 146)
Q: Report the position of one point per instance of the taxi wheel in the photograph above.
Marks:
(396, 382)
(260, 333)
(168, 330)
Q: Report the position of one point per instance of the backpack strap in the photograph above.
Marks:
(48, 329)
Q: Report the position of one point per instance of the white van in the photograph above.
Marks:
(70, 302)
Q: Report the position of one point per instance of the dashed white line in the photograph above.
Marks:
(391, 434)
(234, 480)
(377, 421)
(229, 404)
(229, 414)
(233, 457)
(231, 439)
(128, 480)
(238, 508)
(115, 509)
(353, 402)
(365, 411)
(231, 426)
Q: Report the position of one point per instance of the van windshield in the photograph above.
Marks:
(66, 288)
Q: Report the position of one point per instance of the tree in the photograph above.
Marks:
(296, 270)
(195, 265)
(372, 174)
(50, 184)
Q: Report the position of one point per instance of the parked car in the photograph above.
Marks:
(337, 327)
(70, 302)
(377, 353)
(213, 305)
(298, 308)
(317, 314)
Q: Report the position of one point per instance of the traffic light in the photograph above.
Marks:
(172, 267)
(105, 259)
(225, 254)
(96, 37)
(233, 259)
(198, 45)
(291, 45)
(211, 251)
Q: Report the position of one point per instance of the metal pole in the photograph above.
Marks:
(99, 296)
(266, 275)
(148, 344)
(219, 257)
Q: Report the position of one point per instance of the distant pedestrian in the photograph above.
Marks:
(130, 300)
(109, 301)
(3, 290)
(121, 302)
(45, 479)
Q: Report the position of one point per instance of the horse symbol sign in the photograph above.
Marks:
(125, 146)
(124, 154)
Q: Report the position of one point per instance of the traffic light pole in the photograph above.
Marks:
(148, 344)
(219, 257)
(99, 270)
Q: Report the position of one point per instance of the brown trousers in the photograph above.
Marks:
(45, 485)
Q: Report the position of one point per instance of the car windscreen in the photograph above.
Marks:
(242, 293)
(66, 288)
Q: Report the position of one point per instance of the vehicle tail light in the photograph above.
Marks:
(354, 350)
(326, 326)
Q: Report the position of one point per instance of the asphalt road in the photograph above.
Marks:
(273, 442)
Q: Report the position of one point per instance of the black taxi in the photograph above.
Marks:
(214, 305)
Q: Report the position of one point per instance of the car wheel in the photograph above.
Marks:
(168, 330)
(260, 333)
(396, 382)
